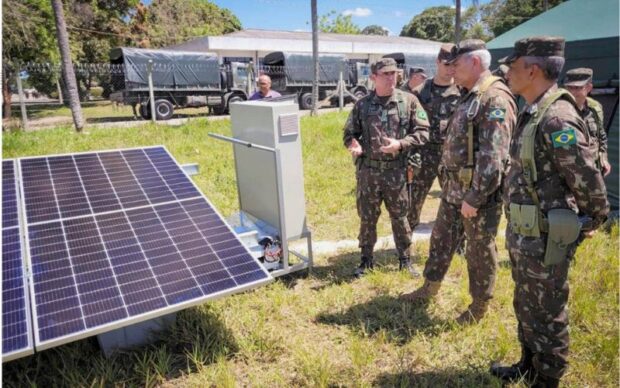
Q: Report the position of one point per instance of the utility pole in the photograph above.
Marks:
(457, 22)
(315, 58)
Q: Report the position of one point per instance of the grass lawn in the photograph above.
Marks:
(326, 329)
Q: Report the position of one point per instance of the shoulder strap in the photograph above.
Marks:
(425, 92)
(471, 115)
(527, 151)
(597, 108)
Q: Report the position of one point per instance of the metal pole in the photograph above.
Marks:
(457, 23)
(340, 92)
(22, 101)
(149, 68)
(60, 99)
(315, 58)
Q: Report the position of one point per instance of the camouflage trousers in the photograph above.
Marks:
(374, 187)
(480, 252)
(422, 182)
(540, 298)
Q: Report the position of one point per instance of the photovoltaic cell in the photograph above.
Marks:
(16, 329)
(122, 236)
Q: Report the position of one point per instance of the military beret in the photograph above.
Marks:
(536, 46)
(465, 46)
(578, 77)
(445, 52)
(417, 70)
(385, 64)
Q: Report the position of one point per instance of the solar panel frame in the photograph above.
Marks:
(88, 332)
(28, 349)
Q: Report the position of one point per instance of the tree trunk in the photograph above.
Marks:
(6, 94)
(67, 67)
(457, 22)
(315, 59)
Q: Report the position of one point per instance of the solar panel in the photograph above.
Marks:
(16, 328)
(118, 237)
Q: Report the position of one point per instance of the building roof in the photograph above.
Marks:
(575, 20)
(301, 41)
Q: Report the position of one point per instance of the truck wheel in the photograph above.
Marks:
(145, 111)
(305, 101)
(163, 109)
(232, 100)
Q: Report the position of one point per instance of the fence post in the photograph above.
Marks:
(59, 91)
(340, 92)
(149, 68)
(22, 100)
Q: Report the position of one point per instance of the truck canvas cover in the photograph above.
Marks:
(299, 70)
(423, 60)
(172, 70)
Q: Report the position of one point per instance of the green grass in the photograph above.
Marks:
(326, 329)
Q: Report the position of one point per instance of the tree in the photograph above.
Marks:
(171, 22)
(67, 65)
(504, 15)
(27, 36)
(374, 29)
(474, 26)
(434, 23)
(339, 25)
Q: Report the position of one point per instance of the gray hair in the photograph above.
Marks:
(483, 55)
(550, 66)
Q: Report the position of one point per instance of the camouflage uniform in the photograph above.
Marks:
(439, 102)
(493, 125)
(567, 178)
(382, 177)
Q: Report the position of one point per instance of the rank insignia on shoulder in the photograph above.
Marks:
(421, 114)
(497, 114)
(564, 138)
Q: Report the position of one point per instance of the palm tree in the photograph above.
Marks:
(67, 67)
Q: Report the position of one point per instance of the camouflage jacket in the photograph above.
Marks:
(596, 130)
(493, 124)
(567, 174)
(439, 102)
(405, 88)
(370, 121)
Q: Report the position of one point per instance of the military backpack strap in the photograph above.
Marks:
(527, 151)
(597, 108)
(425, 93)
(402, 112)
(472, 112)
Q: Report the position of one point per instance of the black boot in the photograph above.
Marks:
(405, 265)
(515, 372)
(365, 266)
(542, 381)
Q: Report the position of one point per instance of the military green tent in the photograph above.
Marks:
(591, 30)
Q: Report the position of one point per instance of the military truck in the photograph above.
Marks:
(181, 79)
(292, 73)
(408, 60)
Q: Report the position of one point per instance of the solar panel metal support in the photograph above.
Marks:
(135, 335)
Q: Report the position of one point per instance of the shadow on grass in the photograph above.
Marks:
(473, 378)
(398, 319)
(197, 338)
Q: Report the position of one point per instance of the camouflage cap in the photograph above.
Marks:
(445, 52)
(417, 70)
(385, 64)
(465, 46)
(536, 46)
(578, 77)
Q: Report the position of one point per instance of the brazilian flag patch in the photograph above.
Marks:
(497, 114)
(421, 114)
(564, 138)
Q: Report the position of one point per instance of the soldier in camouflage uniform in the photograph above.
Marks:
(552, 176)
(439, 97)
(474, 160)
(579, 83)
(380, 131)
(417, 76)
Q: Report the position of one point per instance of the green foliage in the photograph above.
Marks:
(170, 22)
(504, 15)
(374, 29)
(339, 24)
(434, 23)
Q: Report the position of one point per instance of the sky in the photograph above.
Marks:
(294, 15)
